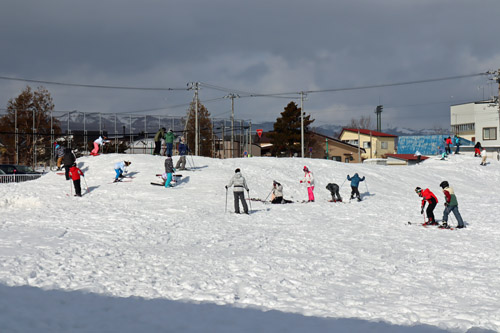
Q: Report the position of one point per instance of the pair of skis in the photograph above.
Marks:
(436, 226)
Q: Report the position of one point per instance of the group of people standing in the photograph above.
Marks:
(169, 138)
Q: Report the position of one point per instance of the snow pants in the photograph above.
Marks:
(78, 189)
(168, 180)
(430, 211)
(240, 195)
(157, 148)
(95, 151)
(181, 163)
(454, 209)
(355, 192)
(118, 173)
(170, 146)
(310, 193)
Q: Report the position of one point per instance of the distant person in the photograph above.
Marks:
(477, 149)
(442, 153)
(183, 150)
(277, 194)
(354, 185)
(239, 185)
(98, 143)
(120, 169)
(483, 156)
(451, 205)
(158, 137)
(169, 140)
(309, 181)
(419, 156)
(334, 191)
(68, 159)
(75, 174)
(456, 141)
(59, 155)
(431, 199)
(448, 145)
(169, 170)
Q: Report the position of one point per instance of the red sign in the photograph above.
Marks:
(259, 132)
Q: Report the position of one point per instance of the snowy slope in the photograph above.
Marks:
(132, 257)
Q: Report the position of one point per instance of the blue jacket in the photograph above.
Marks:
(183, 149)
(355, 180)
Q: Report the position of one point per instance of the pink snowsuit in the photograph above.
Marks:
(309, 180)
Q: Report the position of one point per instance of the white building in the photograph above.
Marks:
(477, 121)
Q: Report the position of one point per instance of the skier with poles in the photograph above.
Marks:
(277, 194)
(183, 149)
(75, 174)
(451, 205)
(430, 198)
(239, 185)
(354, 185)
(309, 181)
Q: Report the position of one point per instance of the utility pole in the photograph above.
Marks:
(302, 123)
(195, 86)
(232, 96)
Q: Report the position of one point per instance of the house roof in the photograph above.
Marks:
(406, 157)
(367, 132)
(337, 140)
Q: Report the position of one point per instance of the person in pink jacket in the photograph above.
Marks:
(309, 181)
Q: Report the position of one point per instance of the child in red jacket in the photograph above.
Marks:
(428, 196)
(75, 174)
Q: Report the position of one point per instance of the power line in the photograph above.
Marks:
(89, 85)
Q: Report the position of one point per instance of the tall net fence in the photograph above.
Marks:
(132, 134)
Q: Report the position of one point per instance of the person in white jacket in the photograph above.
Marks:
(309, 181)
(97, 144)
(483, 156)
(239, 185)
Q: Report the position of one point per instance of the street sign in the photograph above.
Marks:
(259, 132)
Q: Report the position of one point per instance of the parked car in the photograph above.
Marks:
(11, 169)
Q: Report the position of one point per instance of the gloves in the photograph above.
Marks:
(309, 182)
(422, 211)
(225, 187)
(446, 204)
(301, 181)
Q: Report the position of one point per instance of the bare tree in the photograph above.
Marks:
(365, 122)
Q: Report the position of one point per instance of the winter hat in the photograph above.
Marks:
(237, 170)
(163, 129)
(170, 130)
(444, 184)
(305, 168)
(127, 163)
(418, 189)
(56, 144)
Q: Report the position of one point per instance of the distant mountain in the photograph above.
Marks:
(334, 130)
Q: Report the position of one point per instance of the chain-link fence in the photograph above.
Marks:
(125, 134)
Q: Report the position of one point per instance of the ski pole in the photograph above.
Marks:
(249, 201)
(192, 159)
(268, 196)
(225, 208)
(366, 184)
(70, 189)
(342, 184)
(87, 191)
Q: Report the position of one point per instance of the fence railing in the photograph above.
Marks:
(17, 178)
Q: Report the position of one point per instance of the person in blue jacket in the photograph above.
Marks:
(183, 150)
(120, 168)
(354, 185)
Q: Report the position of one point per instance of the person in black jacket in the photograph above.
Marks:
(68, 160)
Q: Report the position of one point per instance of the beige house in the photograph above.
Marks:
(334, 149)
(376, 144)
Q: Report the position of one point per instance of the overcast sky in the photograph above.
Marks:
(259, 47)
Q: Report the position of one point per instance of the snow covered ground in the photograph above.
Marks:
(131, 257)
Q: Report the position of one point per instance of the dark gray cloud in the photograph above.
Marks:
(255, 46)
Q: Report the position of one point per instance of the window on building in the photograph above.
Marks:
(489, 133)
(366, 144)
(384, 145)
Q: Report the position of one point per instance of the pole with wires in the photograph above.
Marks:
(225, 207)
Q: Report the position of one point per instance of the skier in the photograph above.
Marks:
(483, 156)
(477, 149)
(183, 149)
(442, 152)
(239, 185)
(456, 141)
(169, 139)
(169, 169)
(428, 196)
(59, 155)
(451, 205)
(309, 181)
(277, 194)
(354, 185)
(448, 145)
(68, 159)
(158, 136)
(97, 144)
(419, 156)
(120, 169)
(75, 174)
(334, 191)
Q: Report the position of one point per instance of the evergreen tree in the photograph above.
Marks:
(286, 135)
(205, 130)
(22, 109)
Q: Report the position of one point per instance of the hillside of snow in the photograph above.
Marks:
(132, 257)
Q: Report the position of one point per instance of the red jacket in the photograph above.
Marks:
(427, 195)
(75, 173)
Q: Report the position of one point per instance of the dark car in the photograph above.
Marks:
(11, 169)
